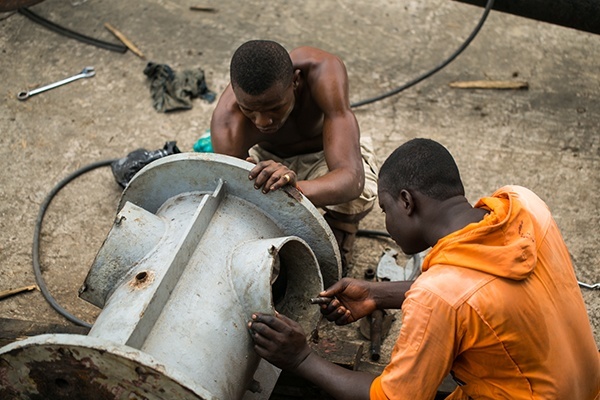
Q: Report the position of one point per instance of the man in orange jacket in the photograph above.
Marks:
(497, 304)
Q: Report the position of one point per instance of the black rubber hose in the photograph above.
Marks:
(72, 34)
(426, 75)
(371, 233)
(37, 270)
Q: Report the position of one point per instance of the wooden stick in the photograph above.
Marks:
(7, 293)
(125, 41)
(205, 9)
(490, 85)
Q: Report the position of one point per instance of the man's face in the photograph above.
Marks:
(399, 224)
(270, 110)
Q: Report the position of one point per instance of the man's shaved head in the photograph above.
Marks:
(257, 65)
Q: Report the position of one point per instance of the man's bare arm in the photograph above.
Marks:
(328, 82)
(282, 342)
(225, 127)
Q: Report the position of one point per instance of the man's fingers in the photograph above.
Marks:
(254, 172)
(279, 179)
(265, 321)
(345, 318)
(262, 318)
(285, 320)
(332, 290)
(270, 175)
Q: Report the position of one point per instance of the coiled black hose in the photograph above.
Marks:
(37, 270)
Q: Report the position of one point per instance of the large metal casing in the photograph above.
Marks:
(194, 251)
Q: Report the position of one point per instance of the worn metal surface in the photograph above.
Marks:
(64, 366)
(200, 172)
(583, 15)
(193, 252)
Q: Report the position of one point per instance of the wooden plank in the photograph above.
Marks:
(503, 85)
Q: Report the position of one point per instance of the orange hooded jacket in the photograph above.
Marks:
(498, 306)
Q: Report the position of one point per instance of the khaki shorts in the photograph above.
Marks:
(313, 165)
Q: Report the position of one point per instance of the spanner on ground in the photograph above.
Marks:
(594, 286)
(87, 72)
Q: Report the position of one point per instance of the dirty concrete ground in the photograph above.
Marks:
(545, 138)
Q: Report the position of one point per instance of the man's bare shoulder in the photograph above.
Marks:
(228, 126)
(227, 104)
(325, 76)
(309, 58)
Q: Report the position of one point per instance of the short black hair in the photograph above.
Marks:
(423, 165)
(258, 64)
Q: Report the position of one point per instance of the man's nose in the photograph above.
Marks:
(262, 120)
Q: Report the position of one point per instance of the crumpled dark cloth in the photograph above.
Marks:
(173, 90)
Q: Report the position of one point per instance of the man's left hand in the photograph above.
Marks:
(279, 340)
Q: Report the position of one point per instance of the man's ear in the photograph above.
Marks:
(406, 201)
(296, 78)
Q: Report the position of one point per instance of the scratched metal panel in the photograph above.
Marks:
(191, 172)
(72, 367)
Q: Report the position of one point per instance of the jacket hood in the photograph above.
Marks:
(502, 244)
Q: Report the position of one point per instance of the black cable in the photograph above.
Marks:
(37, 270)
(72, 34)
(426, 75)
(372, 233)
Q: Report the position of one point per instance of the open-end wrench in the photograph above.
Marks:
(594, 286)
(87, 72)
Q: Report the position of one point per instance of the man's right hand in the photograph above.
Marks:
(352, 300)
(271, 175)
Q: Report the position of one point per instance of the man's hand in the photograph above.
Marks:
(279, 340)
(270, 175)
(351, 300)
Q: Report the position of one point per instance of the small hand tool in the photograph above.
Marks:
(321, 300)
(589, 286)
(87, 72)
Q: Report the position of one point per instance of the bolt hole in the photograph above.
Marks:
(141, 276)
(61, 383)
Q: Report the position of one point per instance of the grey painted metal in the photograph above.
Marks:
(193, 252)
(289, 210)
(583, 15)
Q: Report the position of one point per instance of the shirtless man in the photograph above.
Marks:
(290, 114)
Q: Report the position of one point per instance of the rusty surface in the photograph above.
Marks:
(141, 280)
(45, 371)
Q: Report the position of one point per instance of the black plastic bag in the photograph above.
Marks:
(125, 168)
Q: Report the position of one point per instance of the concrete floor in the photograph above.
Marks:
(545, 138)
